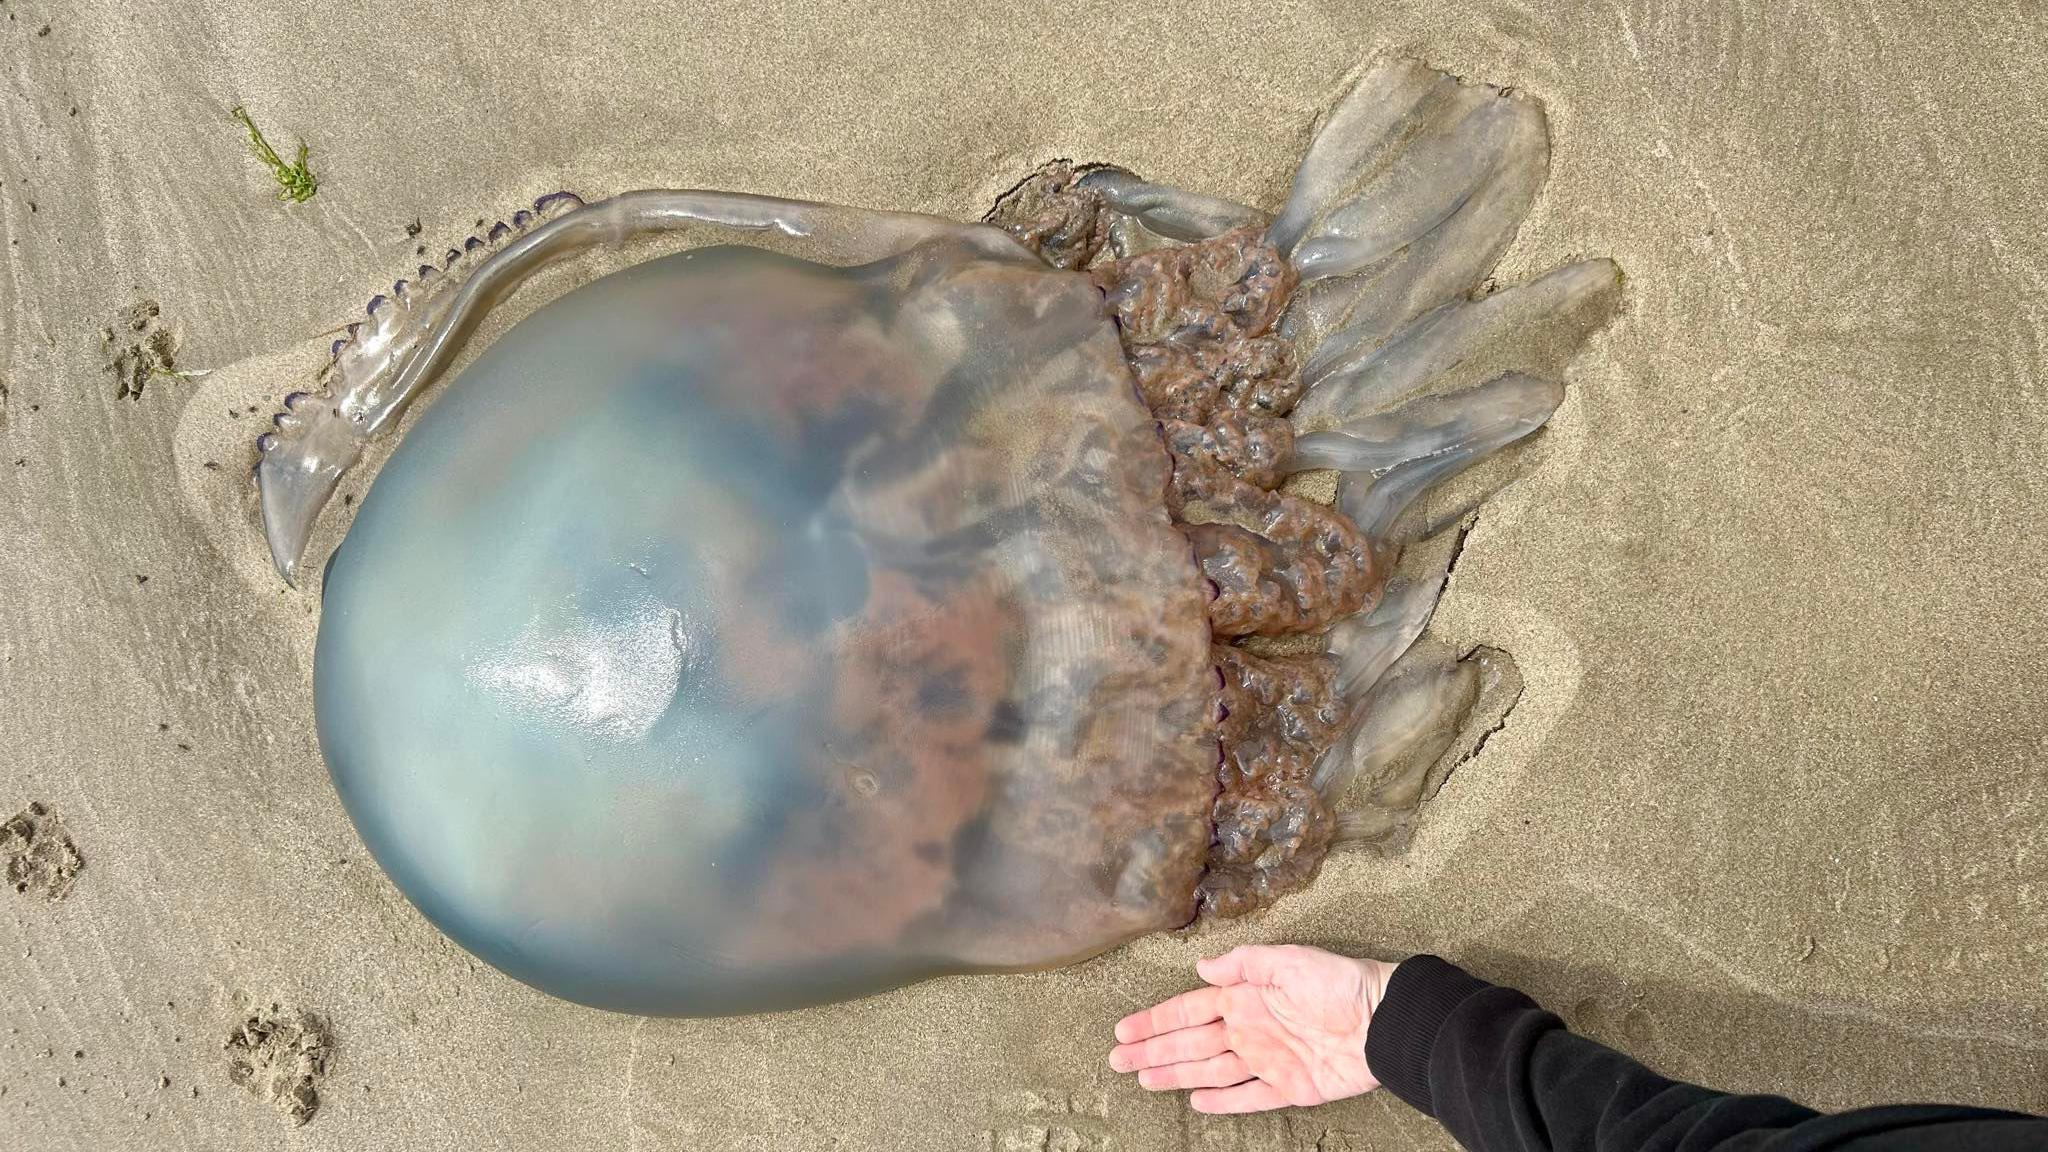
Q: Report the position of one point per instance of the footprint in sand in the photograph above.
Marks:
(38, 855)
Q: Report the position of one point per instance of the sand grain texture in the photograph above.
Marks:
(1769, 811)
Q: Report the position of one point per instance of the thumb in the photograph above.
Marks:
(1235, 966)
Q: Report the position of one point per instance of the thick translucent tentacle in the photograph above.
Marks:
(1430, 426)
(1412, 187)
(1404, 725)
(1536, 327)
(319, 434)
(1410, 190)
(1173, 213)
(1129, 238)
(1366, 646)
(1446, 162)
(413, 334)
(1356, 137)
(1413, 448)
(1477, 422)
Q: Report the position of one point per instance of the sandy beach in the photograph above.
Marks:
(1770, 812)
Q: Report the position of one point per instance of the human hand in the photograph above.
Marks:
(1276, 1026)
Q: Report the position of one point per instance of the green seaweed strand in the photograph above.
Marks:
(295, 181)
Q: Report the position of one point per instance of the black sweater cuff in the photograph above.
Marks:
(1421, 995)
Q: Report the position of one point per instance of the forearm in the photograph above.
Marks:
(1503, 1075)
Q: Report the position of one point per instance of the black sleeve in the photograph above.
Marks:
(1503, 1075)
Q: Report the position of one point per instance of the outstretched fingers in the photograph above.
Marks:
(1254, 1096)
(1179, 1047)
(1215, 1072)
(1183, 1011)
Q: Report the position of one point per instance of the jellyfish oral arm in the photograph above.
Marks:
(1412, 369)
(1174, 213)
(413, 333)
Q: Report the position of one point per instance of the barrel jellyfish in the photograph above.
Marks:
(871, 596)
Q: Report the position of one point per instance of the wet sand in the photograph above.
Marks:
(1770, 810)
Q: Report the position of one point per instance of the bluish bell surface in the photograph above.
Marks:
(738, 633)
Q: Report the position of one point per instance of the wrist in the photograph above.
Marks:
(1374, 975)
(1372, 989)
